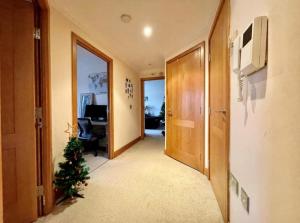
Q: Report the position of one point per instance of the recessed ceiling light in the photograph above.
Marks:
(126, 18)
(147, 31)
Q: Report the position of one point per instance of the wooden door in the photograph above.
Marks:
(1, 179)
(185, 108)
(219, 109)
(18, 110)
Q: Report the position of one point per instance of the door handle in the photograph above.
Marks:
(223, 111)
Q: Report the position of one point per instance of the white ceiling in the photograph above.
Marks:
(175, 23)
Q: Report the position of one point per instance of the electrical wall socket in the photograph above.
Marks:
(245, 200)
(234, 184)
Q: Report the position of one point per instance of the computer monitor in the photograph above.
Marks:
(96, 112)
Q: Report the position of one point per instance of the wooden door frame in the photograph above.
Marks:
(219, 10)
(47, 165)
(1, 178)
(77, 40)
(143, 102)
(198, 46)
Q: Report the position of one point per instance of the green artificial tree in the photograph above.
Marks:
(73, 174)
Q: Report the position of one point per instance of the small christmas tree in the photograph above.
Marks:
(73, 173)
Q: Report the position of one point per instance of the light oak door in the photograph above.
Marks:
(219, 109)
(17, 110)
(185, 108)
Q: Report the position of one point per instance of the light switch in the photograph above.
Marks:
(245, 200)
(234, 184)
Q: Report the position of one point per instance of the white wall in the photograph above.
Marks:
(88, 63)
(265, 133)
(126, 121)
(155, 91)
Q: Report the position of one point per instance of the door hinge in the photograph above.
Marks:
(230, 43)
(40, 193)
(40, 190)
(37, 33)
(39, 116)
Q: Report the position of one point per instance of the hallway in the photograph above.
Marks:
(143, 185)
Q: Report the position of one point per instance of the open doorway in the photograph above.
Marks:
(91, 102)
(153, 107)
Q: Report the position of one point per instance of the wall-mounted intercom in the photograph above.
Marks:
(249, 52)
(236, 53)
(250, 48)
(254, 46)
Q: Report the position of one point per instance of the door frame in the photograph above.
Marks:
(143, 102)
(198, 46)
(219, 10)
(1, 178)
(46, 150)
(77, 40)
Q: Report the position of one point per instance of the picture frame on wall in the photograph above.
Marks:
(85, 99)
(98, 82)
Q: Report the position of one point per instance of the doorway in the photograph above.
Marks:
(219, 103)
(92, 101)
(153, 107)
(185, 107)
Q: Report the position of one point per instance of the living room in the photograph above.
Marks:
(154, 106)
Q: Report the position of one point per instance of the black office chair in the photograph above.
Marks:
(86, 135)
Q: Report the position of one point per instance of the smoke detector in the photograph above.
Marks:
(126, 18)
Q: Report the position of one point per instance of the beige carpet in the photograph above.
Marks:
(143, 185)
(94, 162)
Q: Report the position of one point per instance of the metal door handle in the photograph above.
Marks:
(221, 111)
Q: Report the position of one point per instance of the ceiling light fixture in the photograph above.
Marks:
(147, 31)
(126, 18)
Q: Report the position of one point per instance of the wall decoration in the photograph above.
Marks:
(85, 99)
(71, 130)
(129, 89)
(98, 82)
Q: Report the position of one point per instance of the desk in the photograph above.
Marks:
(100, 129)
(99, 123)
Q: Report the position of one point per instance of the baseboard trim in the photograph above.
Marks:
(126, 147)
